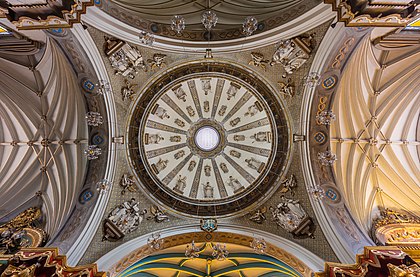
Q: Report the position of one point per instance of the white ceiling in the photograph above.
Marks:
(58, 115)
(374, 135)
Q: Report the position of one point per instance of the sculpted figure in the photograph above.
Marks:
(234, 122)
(181, 184)
(153, 138)
(190, 111)
(206, 85)
(255, 164)
(208, 190)
(258, 60)
(191, 165)
(259, 216)
(292, 53)
(179, 154)
(233, 89)
(254, 109)
(160, 112)
(207, 170)
(180, 93)
(261, 137)
(235, 184)
(288, 214)
(224, 167)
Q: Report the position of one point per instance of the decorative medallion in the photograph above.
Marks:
(320, 137)
(208, 225)
(329, 82)
(207, 139)
(86, 196)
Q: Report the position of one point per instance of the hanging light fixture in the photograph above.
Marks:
(94, 119)
(192, 251)
(178, 24)
(103, 87)
(327, 158)
(155, 241)
(312, 79)
(146, 38)
(249, 26)
(317, 192)
(93, 152)
(209, 19)
(220, 252)
(259, 245)
(325, 117)
(103, 186)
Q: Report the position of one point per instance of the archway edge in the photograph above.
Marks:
(285, 250)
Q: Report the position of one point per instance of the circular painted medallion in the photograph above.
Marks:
(206, 140)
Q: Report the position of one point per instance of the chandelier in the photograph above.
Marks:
(155, 242)
(103, 186)
(93, 152)
(209, 19)
(94, 119)
(258, 245)
(312, 79)
(249, 26)
(325, 117)
(178, 24)
(327, 158)
(146, 38)
(192, 251)
(317, 192)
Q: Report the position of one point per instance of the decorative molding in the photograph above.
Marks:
(343, 247)
(79, 247)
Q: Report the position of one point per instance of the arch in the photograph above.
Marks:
(296, 257)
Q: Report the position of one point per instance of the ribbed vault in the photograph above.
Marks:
(377, 106)
(42, 130)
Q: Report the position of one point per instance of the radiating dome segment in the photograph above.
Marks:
(208, 139)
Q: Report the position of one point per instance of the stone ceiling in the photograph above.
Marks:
(273, 74)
